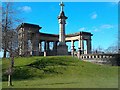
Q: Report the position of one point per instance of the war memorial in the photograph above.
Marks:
(30, 39)
(32, 42)
(57, 69)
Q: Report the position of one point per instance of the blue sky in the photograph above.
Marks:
(99, 18)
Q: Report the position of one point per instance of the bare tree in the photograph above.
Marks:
(99, 49)
(112, 49)
(9, 33)
(0, 27)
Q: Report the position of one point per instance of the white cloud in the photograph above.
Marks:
(106, 26)
(114, 3)
(82, 29)
(101, 28)
(25, 8)
(94, 15)
(96, 30)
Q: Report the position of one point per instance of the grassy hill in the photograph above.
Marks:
(60, 72)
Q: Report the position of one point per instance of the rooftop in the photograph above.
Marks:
(29, 25)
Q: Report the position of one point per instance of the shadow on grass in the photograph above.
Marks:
(61, 83)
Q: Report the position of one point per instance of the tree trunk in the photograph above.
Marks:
(9, 80)
(5, 52)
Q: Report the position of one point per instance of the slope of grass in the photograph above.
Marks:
(60, 72)
(0, 73)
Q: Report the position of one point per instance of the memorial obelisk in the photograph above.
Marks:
(62, 48)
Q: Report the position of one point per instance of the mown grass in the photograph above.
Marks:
(60, 72)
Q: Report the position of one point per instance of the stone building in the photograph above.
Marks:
(32, 41)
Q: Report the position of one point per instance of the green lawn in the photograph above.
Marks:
(60, 72)
(0, 73)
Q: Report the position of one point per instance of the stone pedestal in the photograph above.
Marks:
(62, 50)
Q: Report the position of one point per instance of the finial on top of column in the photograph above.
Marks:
(62, 15)
(62, 5)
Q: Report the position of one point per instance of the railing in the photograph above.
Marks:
(101, 58)
(98, 56)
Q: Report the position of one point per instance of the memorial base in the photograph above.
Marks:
(62, 50)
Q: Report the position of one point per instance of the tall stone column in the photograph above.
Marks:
(62, 48)
(45, 45)
(30, 47)
(81, 45)
(62, 33)
(48, 46)
(79, 52)
(55, 47)
(35, 45)
(72, 47)
(45, 48)
(88, 46)
(40, 47)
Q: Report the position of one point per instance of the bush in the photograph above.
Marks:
(115, 61)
